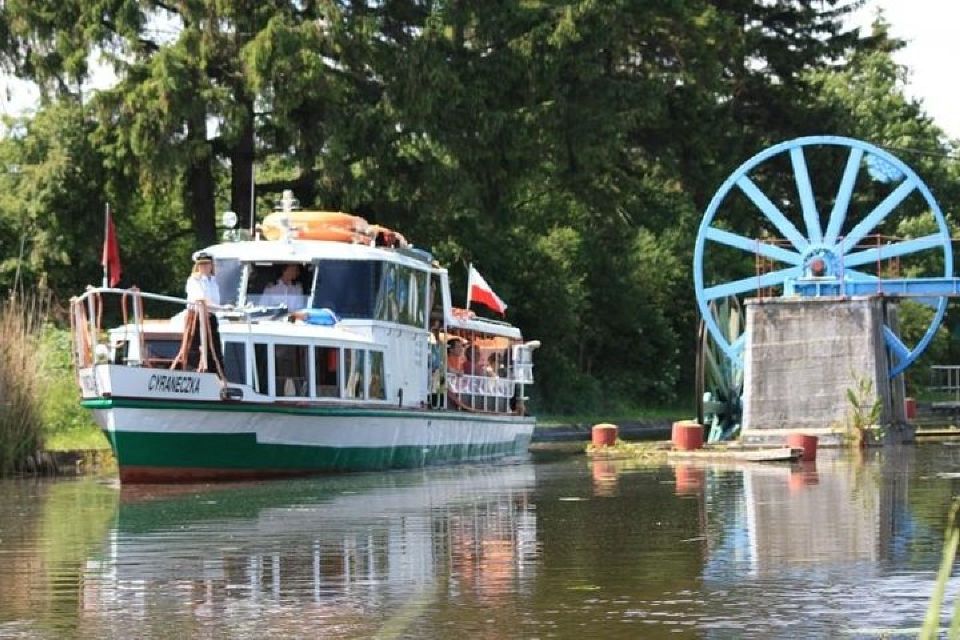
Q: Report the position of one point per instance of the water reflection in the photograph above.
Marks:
(564, 547)
(339, 552)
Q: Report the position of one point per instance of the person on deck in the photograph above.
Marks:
(286, 290)
(202, 286)
(456, 358)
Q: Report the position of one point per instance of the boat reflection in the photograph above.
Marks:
(339, 548)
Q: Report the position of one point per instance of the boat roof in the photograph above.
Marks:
(338, 334)
(485, 326)
(312, 250)
(300, 330)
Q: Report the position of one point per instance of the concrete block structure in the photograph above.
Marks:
(803, 354)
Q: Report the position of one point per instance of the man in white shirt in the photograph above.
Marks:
(286, 290)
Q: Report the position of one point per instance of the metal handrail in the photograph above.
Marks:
(945, 378)
(86, 319)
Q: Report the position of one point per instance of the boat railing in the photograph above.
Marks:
(945, 383)
(481, 392)
(90, 346)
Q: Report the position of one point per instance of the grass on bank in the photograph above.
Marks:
(39, 399)
(635, 414)
(66, 425)
(21, 387)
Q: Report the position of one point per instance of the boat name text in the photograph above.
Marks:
(174, 384)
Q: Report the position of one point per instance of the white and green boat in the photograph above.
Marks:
(356, 379)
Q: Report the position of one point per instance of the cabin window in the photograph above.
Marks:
(229, 273)
(346, 286)
(160, 352)
(418, 301)
(261, 370)
(326, 367)
(290, 370)
(435, 302)
(387, 307)
(235, 362)
(401, 296)
(353, 367)
(377, 381)
(264, 288)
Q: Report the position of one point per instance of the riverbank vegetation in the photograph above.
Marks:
(21, 384)
(39, 401)
(568, 149)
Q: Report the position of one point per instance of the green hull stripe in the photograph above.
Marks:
(242, 451)
(239, 407)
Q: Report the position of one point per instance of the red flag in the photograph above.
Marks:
(479, 291)
(111, 253)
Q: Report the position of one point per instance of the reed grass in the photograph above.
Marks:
(931, 624)
(21, 381)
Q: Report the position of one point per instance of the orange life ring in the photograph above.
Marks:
(387, 237)
(316, 225)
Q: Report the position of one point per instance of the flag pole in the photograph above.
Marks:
(469, 288)
(106, 236)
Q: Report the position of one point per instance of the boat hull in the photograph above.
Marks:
(175, 441)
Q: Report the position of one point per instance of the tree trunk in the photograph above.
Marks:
(242, 157)
(198, 198)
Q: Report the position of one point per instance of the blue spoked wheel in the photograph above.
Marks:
(815, 224)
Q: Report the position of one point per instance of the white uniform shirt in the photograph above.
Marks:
(203, 287)
(282, 293)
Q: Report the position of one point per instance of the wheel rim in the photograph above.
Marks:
(816, 245)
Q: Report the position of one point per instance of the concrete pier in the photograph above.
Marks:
(803, 354)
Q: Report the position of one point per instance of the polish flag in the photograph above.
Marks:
(480, 292)
(111, 253)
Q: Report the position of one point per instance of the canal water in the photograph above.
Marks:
(556, 545)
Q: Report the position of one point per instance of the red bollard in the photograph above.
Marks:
(603, 435)
(687, 435)
(807, 443)
(910, 408)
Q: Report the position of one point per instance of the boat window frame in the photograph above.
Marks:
(314, 389)
(382, 374)
(244, 359)
(306, 378)
(249, 344)
(364, 381)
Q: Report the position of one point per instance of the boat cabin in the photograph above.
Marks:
(333, 322)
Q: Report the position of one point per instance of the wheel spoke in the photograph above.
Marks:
(842, 203)
(753, 246)
(884, 252)
(773, 213)
(811, 216)
(737, 345)
(749, 284)
(854, 274)
(895, 343)
(877, 215)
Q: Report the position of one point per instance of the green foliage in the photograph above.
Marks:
(65, 423)
(864, 412)
(566, 148)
